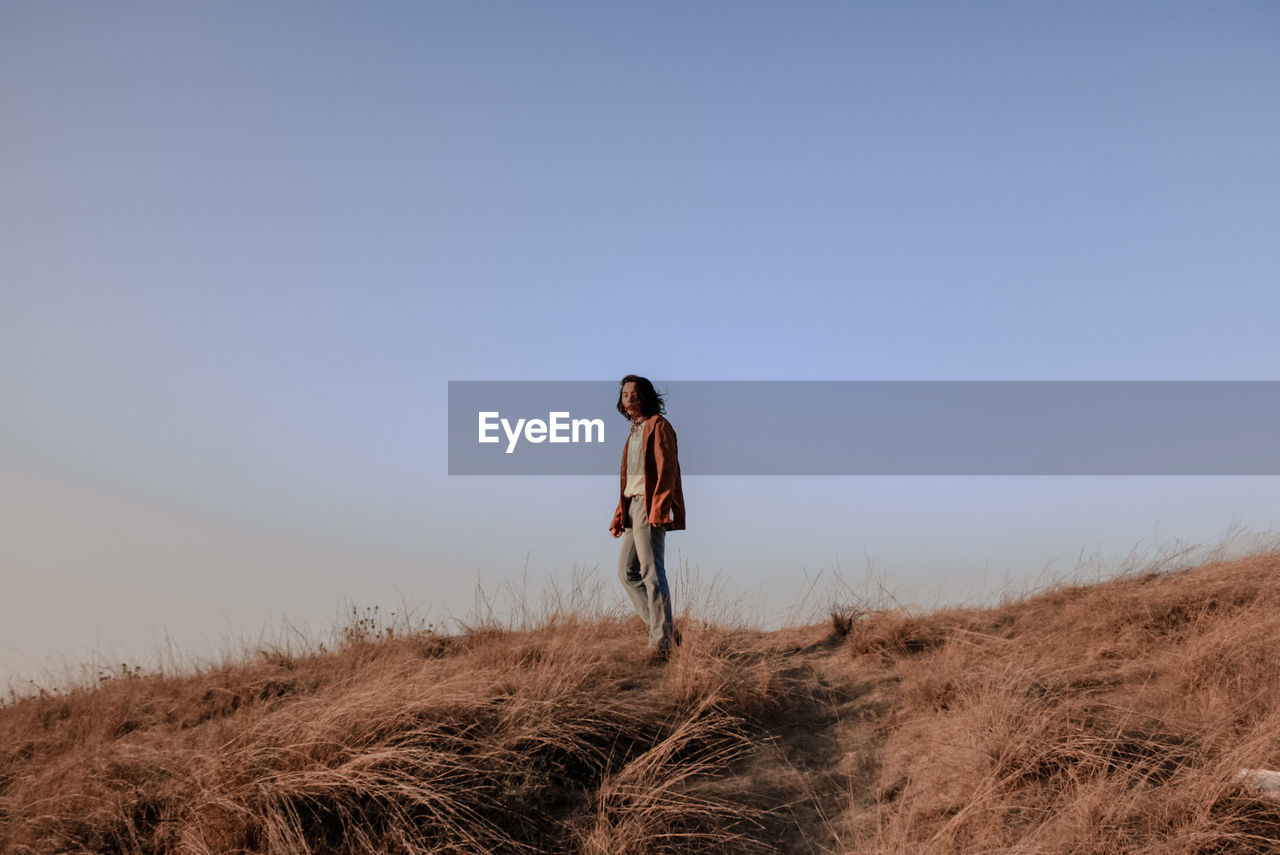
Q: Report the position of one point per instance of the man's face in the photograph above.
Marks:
(631, 400)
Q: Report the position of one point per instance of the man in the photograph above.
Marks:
(650, 505)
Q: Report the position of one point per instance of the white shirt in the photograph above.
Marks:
(635, 461)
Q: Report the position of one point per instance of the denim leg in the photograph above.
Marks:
(630, 573)
(644, 574)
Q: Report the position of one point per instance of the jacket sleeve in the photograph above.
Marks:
(668, 499)
(620, 513)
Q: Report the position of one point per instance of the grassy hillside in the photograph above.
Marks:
(1107, 718)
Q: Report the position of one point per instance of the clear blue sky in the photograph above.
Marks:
(244, 246)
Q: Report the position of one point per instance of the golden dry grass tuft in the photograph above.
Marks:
(1109, 718)
(1083, 719)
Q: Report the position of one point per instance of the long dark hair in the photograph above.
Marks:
(651, 403)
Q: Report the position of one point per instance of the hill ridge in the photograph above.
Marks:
(1112, 717)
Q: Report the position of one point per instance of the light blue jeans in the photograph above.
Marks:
(641, 569)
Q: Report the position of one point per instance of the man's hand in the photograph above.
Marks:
(615, 528)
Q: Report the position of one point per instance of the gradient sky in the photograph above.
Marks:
(245, 245)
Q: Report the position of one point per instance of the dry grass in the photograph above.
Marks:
(1107, 718)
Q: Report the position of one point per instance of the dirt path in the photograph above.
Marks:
(818, 760)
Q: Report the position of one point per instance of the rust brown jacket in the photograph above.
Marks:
(663, 496)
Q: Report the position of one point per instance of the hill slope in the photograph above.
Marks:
(1108, 718)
